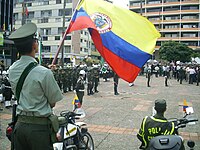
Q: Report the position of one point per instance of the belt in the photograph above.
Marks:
(34, 120)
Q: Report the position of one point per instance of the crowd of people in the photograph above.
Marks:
(189, 73)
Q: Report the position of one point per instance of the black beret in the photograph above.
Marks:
(160, 103)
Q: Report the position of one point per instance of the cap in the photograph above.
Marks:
(24, 31)
(24, 34)
(160, 103)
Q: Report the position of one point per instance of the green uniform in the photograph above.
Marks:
(40, 92)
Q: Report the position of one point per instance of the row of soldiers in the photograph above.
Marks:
(67, 78)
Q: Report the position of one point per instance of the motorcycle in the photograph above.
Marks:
(73, 135)
(174, 142)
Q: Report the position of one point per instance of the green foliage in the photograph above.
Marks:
(174, 51)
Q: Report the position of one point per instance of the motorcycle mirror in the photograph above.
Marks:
(81, 113)
(189, 110)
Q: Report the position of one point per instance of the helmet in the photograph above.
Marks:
(4, 72)
(82, 72)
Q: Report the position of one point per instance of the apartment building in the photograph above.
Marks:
(7, 49)
(177, 20)
(51, 21)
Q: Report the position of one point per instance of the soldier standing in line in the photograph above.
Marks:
(148, 75)
(198, 75)
(64, 80)
(7, 94)
(90, 82)
(69, 79)
(116, 80)
(96, 78)
(181, 73)
(74, 77)
(59, 77)
(80, 86)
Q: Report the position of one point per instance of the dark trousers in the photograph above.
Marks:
(89, 88)
(32, 137)
(96, 83)
(148, 79)
(80, 96)
(115, 87)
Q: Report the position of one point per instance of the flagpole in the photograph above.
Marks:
(64, 35)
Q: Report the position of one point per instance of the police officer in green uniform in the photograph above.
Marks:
(155, 125)
(38, 96)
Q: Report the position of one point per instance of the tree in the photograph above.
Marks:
(174, 51)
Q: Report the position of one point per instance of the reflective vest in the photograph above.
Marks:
(152, 127)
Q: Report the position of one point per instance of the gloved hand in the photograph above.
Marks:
(75, 91)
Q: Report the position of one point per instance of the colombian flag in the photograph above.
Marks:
(124, 39)
(76, 102)
(185, 105)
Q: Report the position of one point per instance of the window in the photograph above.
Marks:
(154, 2)
(44, 20)
(60, 30)
(190, 25)
(46, 3)
(30, 15)
(57, 37)
(58, 1)
(171, 26)
(172, 17)
(190, 8)
(44, 38)
(189, 35)
(68, 12)
(166, 1)
(46, 49)
(28, 4)
(67, 49)
(68, 1)
(154, 10)
(16, 16)
(172, 8)
(68, 38)
(46, 13)
(58, 19)
(169, 35)
(190, 17)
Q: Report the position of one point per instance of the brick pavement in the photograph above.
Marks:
(114, 118)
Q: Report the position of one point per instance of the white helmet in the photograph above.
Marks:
(82, 72)
(4, 72)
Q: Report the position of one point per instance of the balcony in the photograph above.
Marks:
(193, 47)
(185, 2)
(189, 20)
(170, 30)
(178, 39)
(190, 29)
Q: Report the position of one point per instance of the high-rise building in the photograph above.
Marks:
(177, 20)
(7, 50)
(52, 23)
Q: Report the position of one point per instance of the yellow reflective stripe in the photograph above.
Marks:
(145, 142)
(159, 120)
(172, 131)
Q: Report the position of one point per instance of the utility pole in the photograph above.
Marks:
(141, 7)
(23, 13)
(63, 30)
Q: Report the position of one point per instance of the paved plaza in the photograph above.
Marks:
(114, 121)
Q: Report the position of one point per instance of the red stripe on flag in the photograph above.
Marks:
(124, 69)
